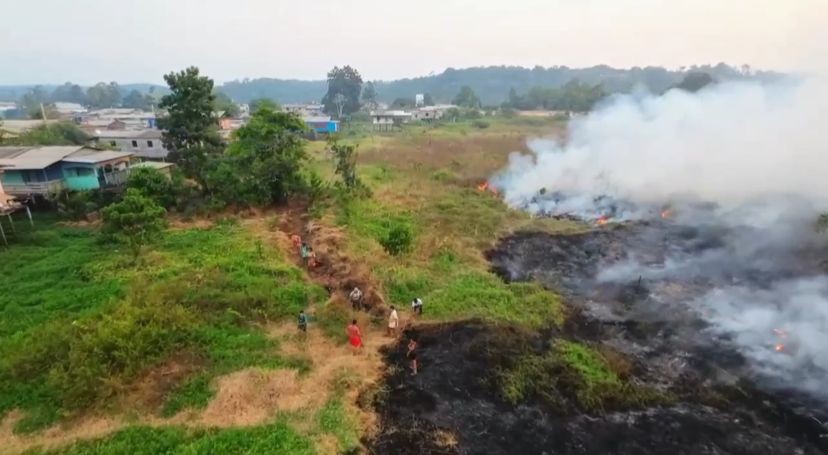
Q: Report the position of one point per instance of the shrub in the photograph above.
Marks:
(399, 240)
(134, 220)
(153, 184)
(482, 124)
(76, 205)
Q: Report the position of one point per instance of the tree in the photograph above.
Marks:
(153, 184)
(103, 95)
(264, 164)
(467, 98)
(693, 82)
(402, 103)
(346, 160)
(369, 95)
(134, 220)
(32, 100)
(225, 106)
(428, 100)
(70, 93)
(261, 103)
(60, 133)
(137, 100)
(190, 129)
(346, 82)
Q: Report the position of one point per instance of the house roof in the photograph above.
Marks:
(127, 134)
(317, 119)
(153, 164)
(30, 158)
(91, 156)
(20, 126)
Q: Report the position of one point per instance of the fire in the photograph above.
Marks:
(486, 187)
(780, 347)
(602, 220)
(667, 214)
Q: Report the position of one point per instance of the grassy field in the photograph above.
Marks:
(86, 330)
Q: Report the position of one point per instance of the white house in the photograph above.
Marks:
(305, 110)
(387, 120)
(430, 113)
(143, 144)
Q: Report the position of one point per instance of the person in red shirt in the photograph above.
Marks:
(354, 336)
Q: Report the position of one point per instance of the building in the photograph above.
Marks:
(13, 128)
(322, 125)
(431, 113)
(388, 120)
(6, 106)
(5, 198)
(305, 110)
(144, 144)
(45, 171)
(68, 110)
(122, 118)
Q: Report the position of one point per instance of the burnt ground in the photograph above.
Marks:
(718, 407)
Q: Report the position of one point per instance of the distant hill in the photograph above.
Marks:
(491, 83)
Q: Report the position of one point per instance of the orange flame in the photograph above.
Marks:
(780, 348)
(602, 220)
(486, 187)
(667, 214)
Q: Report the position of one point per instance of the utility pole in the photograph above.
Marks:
(43, 113)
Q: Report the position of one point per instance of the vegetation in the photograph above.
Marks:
(60, 133)
(398, 240)
(344, 89)
(137, 100)
(135, 220)
(467, 98)
(103, 95)
(573, 96)
(695, 81)
(190, 130)
(261, 103)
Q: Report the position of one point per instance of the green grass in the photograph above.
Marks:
(98, 321)
(276, 438)
(333, 419)
(573, 372)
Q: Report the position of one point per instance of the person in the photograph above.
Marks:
(304, 252)
(354, 336)
(311, 258)
(412, 355)
(303, 321)
(393, 322)
(297, 241)
(417, 306)
(356, 299)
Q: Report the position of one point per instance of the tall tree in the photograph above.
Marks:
(467, 98)
(190, 129)
(103, 95)
(135, 220)
(346, 82)
(70, 93)
(32, 100)
(261, 103)
(369, 95)
(264, 163)
(428, 100)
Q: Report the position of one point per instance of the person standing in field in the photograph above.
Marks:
(393, 322)
(304, 253)
(417, 306)
(356, 299)
(297, 241)
(354, 336)
(303, 321)
(411, 355)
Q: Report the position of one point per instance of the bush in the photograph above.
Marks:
(399, 240)
(153, 184)
(76, 205)
(482, 124)
(134, 220)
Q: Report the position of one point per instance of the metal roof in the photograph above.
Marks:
(127, 134)
(32, 158)
(91, 156)
(152, 164)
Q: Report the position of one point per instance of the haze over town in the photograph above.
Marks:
(139, 41)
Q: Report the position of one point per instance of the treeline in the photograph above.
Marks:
(494, 83)
(100, 95)
(573, 96)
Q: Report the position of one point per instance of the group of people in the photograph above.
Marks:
(305, 251)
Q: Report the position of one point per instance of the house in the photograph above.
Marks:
(145, 143)
(388, 120)
(68, 110)
(322, 125)
(163, 168)
(431, 113)
(120, 118)
(15, 128)
(44, 171)
(305, 110)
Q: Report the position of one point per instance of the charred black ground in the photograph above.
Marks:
(715, 405)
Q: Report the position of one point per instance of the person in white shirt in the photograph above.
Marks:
(393, 322)
(417, 306)
(356, 299)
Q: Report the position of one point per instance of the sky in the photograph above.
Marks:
(85, 41)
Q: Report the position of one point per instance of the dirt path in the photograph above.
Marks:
(255, 396)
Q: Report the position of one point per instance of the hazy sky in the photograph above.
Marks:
(84, 41)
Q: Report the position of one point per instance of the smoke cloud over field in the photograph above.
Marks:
(730, 143)
(742, 165)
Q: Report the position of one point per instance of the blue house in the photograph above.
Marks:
(44, 171)
(323, 125)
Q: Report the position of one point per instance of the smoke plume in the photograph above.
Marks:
(744, 163)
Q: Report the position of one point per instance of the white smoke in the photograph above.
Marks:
(730, 143)
(759, 154)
